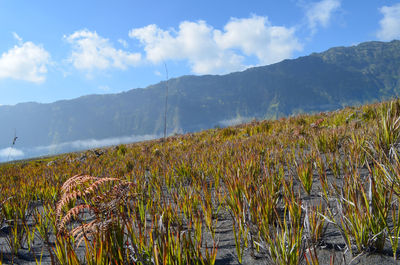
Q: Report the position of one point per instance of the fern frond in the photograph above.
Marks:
(94, 196)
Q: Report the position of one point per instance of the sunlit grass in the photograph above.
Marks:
(161, 202)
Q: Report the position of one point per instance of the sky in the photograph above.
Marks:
(53, 50)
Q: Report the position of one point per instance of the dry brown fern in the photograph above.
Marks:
(97, 200)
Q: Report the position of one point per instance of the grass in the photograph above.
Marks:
(279, 184)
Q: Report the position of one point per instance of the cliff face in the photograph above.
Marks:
(321, 81)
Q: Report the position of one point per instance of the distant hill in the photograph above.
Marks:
(323, 81)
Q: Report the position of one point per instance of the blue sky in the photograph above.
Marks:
(53, 50)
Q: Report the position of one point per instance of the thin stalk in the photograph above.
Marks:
(166, 102)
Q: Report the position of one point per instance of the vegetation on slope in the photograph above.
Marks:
(281, 184)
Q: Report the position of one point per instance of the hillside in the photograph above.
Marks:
(323, 81)
(323, 188)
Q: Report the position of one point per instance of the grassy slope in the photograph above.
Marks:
(248, 179)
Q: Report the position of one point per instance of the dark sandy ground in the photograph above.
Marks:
(332, 244)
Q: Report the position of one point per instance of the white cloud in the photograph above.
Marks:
(91, 51)
(320, 13)
(17, 37)
(209, 50)
(10, 152)
(93, 143)
(193, 42)
(124, 43)
(256, 36)
(390, 23)
(25, 61)
(235, 121)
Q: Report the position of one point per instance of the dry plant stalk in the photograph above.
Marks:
(84, 194)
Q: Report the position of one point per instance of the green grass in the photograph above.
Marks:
(173, 193)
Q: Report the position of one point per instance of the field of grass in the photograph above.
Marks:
(310, 189)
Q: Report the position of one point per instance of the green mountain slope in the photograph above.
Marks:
(319, 82)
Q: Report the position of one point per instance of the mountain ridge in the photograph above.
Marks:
(329, 80)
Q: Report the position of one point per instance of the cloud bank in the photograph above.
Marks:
(235, 121)
(91, 143)
(10, 152)
(93, 52)
(25, 61)
(212, 51)
(239, 44)
(66, 147)
(390, 23)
